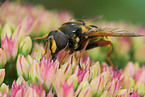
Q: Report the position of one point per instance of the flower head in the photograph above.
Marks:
(66, 90)
(25, 46)
(10, 47)
(2, 75)
(4, 90)
(22, 66)
(3, 58)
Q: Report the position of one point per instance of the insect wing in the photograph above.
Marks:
(113, 31)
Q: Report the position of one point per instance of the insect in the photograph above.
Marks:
(77, 36)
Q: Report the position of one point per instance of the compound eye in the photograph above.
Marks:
(58, 41)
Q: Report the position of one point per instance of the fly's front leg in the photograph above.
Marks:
(46, 48)
(85, 44)
(62, 59)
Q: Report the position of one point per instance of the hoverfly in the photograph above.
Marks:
(77, 36)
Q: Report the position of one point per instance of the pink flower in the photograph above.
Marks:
(10, 47)
(86, 92)
(129, 69)
(2, 75)
(4, 90)
(135, 94)
(24, 90)
(22, 66)
(18, 33)
(17, 90)
(98, 83)
(40, 92)
(29, 23)
(113, 86)
(50, 94)
(81, 74)
(140, 75)
(47, 70)
(3, 58)
(66, 91)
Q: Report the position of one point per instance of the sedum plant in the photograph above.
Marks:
(24, 72)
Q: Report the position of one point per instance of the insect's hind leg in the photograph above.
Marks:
(102, 44)
(109, 53)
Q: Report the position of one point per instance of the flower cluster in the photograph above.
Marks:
(24, 72)
(46, 78)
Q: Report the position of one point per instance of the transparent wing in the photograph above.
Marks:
(113, 31)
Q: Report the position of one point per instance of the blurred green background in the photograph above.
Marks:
(131, 11)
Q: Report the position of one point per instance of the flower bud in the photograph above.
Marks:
(74, 63)
(20, 80)
(105, 94)
(39, 90)
(4, 90)
(47, 69)
(98, 84)
(50, 94)
(2, 75)
(135, 93)
(3, 58)
(10, 47)
(140, 85)
(31, 93)
(86, 76)
(122, 93)
(86, 92)
(37, 52)
(81, 73)
(129, 69)
(113, 86)
(94, 70)
(67, 69)
(29, 59)
(66, 91)
(34, 72)
(22, 67)
(128, 82)
(18, 34)
(18, 90)
(59, 80)
(73, 79)
(7, 31)
(140, 75)
(82, 85)
(25, 46)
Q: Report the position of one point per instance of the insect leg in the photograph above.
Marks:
(82, 51)
(46, 48)
(62, 59)
(43, 37)
(109, 53)
(102, 44)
